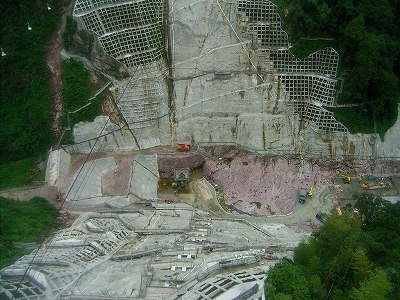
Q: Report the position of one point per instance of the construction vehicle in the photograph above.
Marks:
(372, 185)
(310, 192)
(302, 195)
(338, 210)
(345, 178)
(183, 147)
(321, 216)
(370, 182)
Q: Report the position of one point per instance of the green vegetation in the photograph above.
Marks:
(354, 118)
(304, 47)
(222, 202)
(70, 29)
(349, 257)
(367, 35)
(19, 173)
(22, 222)
(26, 99)
(286, 279)
(75, 75)
(25, 102)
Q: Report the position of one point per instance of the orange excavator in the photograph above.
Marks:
(183, 147)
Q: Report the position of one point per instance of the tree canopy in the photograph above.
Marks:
(367, 35)
(25, 103)
(22, 221)
(287, 279)
(349, 257)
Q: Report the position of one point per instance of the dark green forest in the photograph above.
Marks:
(354, 256)
(26, 101)
(75, 75)
(367, 35)
(23, 222)
(25, 107)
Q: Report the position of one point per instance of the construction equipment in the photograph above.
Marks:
(338, 210)
(321, 216)
(302, 195)
(310, 192)
(370, 182)
(346, 178)
(372, 185)
(183, 147)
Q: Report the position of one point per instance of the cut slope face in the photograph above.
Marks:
(220, 72)
(132, 33)
(129, 31)
(237, 82)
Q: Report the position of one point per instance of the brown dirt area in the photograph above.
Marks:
(53, 60)
(116, 182)
(200, 187)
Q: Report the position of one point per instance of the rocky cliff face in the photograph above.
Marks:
(220, 98)
(224, 87)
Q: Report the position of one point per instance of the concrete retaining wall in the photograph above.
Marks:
(57, 167)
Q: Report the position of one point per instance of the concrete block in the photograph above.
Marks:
(144, 179)
(57, 167)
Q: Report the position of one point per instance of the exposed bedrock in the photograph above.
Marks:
(227, 77)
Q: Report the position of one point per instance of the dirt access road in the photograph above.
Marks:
(53, 61)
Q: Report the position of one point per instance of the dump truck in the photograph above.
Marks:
(302, 195)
